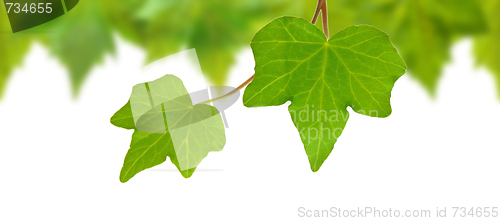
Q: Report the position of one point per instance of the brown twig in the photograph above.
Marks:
(230, 93)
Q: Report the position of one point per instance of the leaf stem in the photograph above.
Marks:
(322, 7)
(324, 16)
(230, 93)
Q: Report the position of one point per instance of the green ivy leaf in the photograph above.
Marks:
(356, 67)
(190, 134)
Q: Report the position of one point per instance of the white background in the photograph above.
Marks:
(60, 158)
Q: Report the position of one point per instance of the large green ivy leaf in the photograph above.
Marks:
(166, 123)
(356, 67)
(487, 46)
(423, 30)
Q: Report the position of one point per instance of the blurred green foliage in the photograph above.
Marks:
(422, 30)
(13, 47)
(487, 45)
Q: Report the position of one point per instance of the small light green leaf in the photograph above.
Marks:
(146, 150)
(167, 124)
(356, 67)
